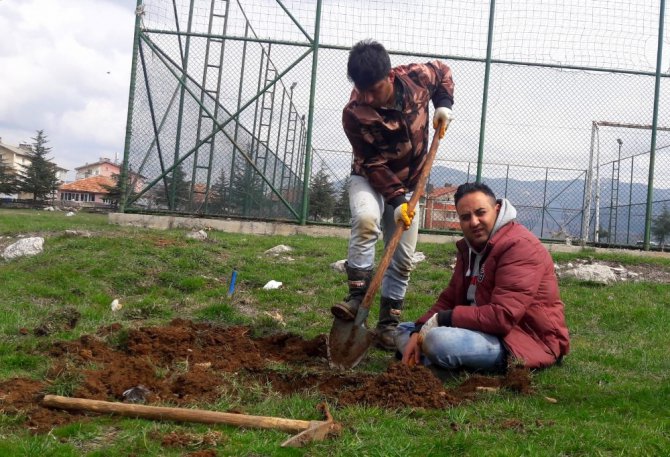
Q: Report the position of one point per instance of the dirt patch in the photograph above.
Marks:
(193, 364)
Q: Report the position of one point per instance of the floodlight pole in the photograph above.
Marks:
(652, 151)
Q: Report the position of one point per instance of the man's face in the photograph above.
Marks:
(380, 94)
(477, 213)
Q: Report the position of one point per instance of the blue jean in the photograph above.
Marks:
(452, 347)
(370, 217)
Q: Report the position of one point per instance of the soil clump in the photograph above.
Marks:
(193, 364)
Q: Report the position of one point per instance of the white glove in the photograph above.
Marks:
(427, 327)
(444, 115)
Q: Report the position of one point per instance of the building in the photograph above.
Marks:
(19, 157)
(93, 183)
(103, 167)
(440, 210)
(91, 191)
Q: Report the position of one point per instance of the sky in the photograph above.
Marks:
(66, 71)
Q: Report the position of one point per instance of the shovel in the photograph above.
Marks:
(349, 341)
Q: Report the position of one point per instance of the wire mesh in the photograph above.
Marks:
(225, 90)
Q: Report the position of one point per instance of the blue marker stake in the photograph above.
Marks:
(231, 289)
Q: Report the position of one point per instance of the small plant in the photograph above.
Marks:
(119, 340)
(66, 383)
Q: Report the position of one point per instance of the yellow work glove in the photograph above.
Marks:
(446, 116)
(403, 215)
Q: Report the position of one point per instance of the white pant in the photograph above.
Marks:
(370, 217)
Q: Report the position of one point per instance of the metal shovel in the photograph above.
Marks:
(349, 341)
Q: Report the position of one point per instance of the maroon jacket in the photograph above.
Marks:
(390, 145)
(517, 297)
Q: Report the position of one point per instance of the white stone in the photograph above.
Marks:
(339, 266)
(272, 284)
(23, 247)
(199, 235)
(70, 214)
(279, 249)
(599, 274)
(418, 257)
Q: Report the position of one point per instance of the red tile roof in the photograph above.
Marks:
(94, 184)
(440, 191)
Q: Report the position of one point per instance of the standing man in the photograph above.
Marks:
(502, 300)
(386, 121)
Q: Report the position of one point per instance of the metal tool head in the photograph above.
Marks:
(348, 343)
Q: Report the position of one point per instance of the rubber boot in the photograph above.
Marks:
(389, 318)
(359, 281)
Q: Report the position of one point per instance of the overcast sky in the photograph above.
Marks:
(66, 70)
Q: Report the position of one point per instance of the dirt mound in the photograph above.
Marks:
(187, 363)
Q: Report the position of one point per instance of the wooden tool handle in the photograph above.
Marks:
(177, 414)
(400, 228)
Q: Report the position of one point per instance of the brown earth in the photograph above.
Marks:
(192, 364)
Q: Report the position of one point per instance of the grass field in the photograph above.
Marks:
(613, 390)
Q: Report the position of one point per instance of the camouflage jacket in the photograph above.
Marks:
(390, 144)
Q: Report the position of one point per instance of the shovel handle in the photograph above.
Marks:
(400, 227)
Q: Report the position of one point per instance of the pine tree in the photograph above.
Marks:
(342, 213)
(321, 196)
(176, 194)
(660, 226)
(114, 193)
(246, 196)
(40, 178)
(219, 195)
(8, 183)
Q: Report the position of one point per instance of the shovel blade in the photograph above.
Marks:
(348, 343)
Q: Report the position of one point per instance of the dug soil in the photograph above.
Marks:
(188, 364)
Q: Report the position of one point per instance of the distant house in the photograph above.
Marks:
(92, 191)
(440, 210)
(103, 167)
(19, 157)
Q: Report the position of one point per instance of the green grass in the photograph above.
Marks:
(612, 391)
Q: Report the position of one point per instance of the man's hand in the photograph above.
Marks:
(403, 215)
(412, 353)
(444, 115)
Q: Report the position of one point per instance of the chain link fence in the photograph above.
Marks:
(235, 109)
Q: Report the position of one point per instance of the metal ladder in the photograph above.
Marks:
(209, 96)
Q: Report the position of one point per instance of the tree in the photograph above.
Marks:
(176, 193)
(660, 226)
(114, 193)
(603, 234)
(246, 191)
(321, 196)
(342, 213)
(8, 184)
(219, 195)
(40, 178)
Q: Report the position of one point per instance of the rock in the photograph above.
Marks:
(596, 273)
(280, 249)
(199, 235)
(70, 214)
(82, 233)
(26, 246)
(339, 266)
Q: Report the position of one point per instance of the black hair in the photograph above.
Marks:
(368, 64)
(470, 187)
